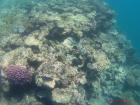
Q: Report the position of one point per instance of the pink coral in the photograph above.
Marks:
(18, 75)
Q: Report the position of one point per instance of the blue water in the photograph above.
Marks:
(128, 16)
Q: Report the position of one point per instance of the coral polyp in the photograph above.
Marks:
(18, 75)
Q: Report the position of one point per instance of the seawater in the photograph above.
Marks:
(128, 16)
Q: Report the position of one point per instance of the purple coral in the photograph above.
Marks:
(18, 75)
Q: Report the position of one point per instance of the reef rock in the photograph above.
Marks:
(73, 49)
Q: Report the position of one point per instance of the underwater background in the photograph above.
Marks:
(128, 16)
(68, 52)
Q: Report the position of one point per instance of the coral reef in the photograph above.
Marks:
(18, 75)
(70, 50)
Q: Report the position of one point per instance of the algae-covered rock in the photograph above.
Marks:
(62, 96)
(49, 74)
(69, 42)
(32, 41)
(132, 78)
(17, 56)
(101, 61)
(11, 42)
(68, 96)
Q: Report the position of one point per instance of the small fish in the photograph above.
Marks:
(47, 78)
